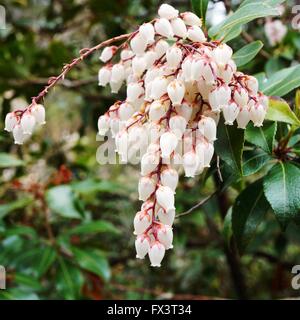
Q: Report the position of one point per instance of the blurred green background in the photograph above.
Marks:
(66, 221)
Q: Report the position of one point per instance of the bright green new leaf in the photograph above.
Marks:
(281, 190)
(279, 110)
(248, 212)
(7, 160)
(247, 53)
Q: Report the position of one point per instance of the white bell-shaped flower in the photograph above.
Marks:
(208, 128)
(190, 163)
(156, 254)
(141, 222)
(146, 187)
(230, 113)
(103, 124)
(159, 87)
(161, 48)
(241, 97)
(252, 85)
(121, 141)
(107, 53)
(174, 57)
(18, 134)
(185, 110)
(190, 19)
(243, 118)
(125, 111)
(115, 86)
(179, 28)
(169, 178)
(146, 30)
(163, 27)
(165, 236)
(10, 122)
(209, 72)
(117, 73)
(222, 54)
(157, 110)
(257, 115)
(219, 97)
(196, 34)
(104, 75)
(150, 58)
(168, 143)
(27, 122)
(149, 163)
(186, 68)
(165, 197)
(142, 246)
(167, 11)
(139, 65)
(178, 125)
(126, 54)
(205, 152)
(176, 91)
(134, 91)
(138, 44)
(166, 217)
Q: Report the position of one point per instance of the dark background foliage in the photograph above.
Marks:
(66, 221)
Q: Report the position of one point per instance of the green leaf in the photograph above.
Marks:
(282, 82)
(200, 8)
(248, 212)
(229, 145)
(297, 103)
(282, 191)
(61, 200)
(227, 227)
(94, 227)
(247, 53)
(7, 160)
(263, 137)
(279, 110)
(5, 209)
(247, 12)
(253, 161)
(90, 186)
(69, 280)
(48, 256)
(92, 260)
(27, 281)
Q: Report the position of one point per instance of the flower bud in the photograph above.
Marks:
(146, 188)
(167, 11)
(190, 19)
(176, 91)
(104, 75)
(142, 246)
(179, 28)
(146, 30)
(169, 178)
(173, 56)
(208, 128)
(141, 222)
(134, 91)
(18, 134)
(107, 53)
(168, 142)
(230, 113)
(138, 44)
(27, 122)
(156, 254)
(165, 236)
(196, 34)
(163, 27)
(10, 121)
(165, 197)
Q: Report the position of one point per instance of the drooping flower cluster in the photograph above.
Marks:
(177, 85)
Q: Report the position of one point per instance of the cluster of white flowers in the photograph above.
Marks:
(177, 86)
(22, 122)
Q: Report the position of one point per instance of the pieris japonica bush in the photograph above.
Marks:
(183, 88)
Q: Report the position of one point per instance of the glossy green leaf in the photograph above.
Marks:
(62, 201)
(279, 110)
(229, 145)
(248, 212)
(263, 137)
(247, 12)
(200, 8)
(48, 256)
(254, 160)
(247, 53)
(92, 260)
(281, 189)
(94, 227)
(7, 160)
(282, 82)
